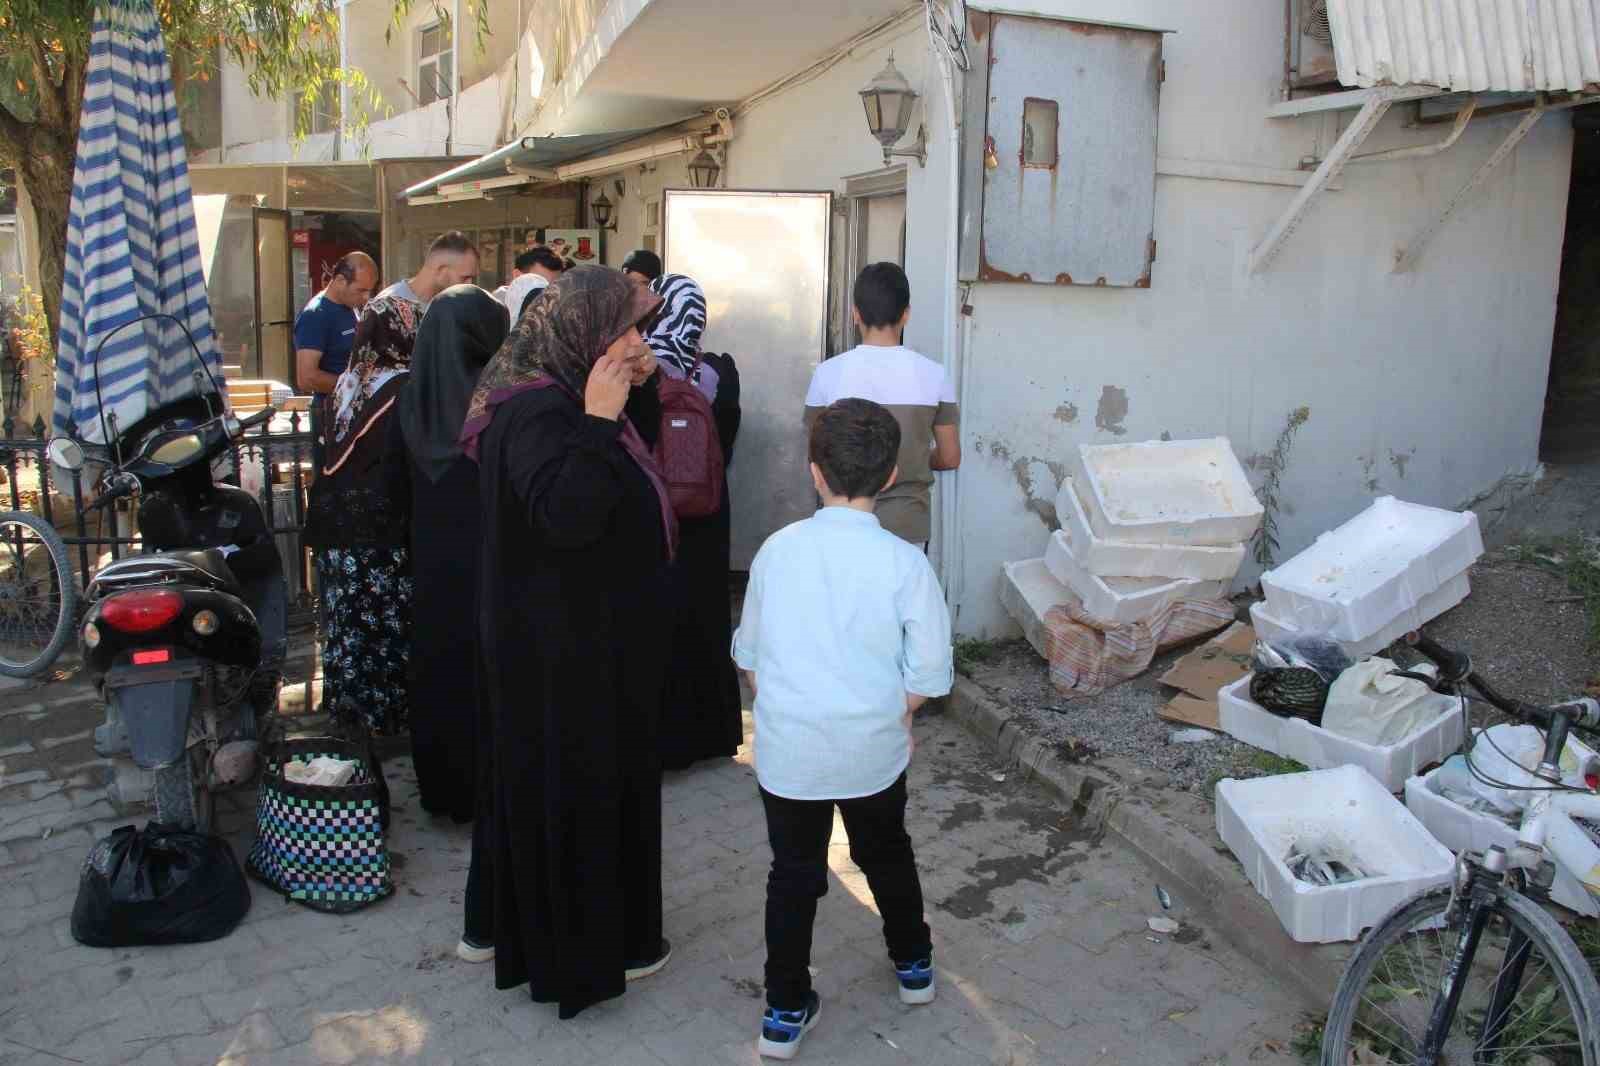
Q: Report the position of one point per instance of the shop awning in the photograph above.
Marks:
(529, 159)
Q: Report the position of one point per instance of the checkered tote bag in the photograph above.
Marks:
(323, 846)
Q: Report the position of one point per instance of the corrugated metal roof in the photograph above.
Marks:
(1468, 45)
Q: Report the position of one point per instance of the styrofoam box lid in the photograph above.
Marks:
(1389, 541)
(1431, 606)
(1028, 591)
(1167, 483)
(1295, 738)
(1121, 599)
(1126, 558)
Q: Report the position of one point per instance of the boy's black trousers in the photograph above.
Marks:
(799, 831)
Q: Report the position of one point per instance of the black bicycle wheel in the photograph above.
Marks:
(1387, 995)
(38, 596)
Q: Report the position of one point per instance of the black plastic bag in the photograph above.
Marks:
(158, 885)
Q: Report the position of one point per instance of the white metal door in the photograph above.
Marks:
(762, 259)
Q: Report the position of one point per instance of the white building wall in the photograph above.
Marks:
(1427, 386)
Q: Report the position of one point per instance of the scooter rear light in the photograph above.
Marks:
(150, 658)
(141, 610)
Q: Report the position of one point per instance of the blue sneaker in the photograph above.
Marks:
(782, 1030)
(916, 981)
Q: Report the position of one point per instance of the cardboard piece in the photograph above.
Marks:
(1201, 674)
(1188, 710)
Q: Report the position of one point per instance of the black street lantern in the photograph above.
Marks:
(601, 209)
(889, 101)
(704, 170)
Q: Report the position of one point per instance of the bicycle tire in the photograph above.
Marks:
(1567, 963)
(67, 593)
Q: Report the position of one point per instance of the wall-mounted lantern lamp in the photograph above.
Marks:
(704, 170)
(601, 210)
(889, 100)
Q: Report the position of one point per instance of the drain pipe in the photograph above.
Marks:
(951, 546)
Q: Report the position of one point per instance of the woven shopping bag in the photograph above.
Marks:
(323, 846)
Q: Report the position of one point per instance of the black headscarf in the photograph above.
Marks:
(462, 330)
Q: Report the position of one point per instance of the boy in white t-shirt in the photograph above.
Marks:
(845, 633)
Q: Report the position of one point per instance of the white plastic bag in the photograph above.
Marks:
(1368, 703)
(1509, 754)
(323, 770)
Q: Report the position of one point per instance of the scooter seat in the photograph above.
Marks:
(213, 563)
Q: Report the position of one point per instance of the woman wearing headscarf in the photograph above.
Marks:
(577, 533)
(463, 328)
(700, 709)
(356, 530)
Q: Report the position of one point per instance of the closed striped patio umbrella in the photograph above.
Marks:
(132, 246)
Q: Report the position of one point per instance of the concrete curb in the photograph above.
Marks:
(1121, 798)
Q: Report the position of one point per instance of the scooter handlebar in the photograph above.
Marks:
(261, 417)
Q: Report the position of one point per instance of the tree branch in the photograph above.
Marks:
(14, 135)
(47, 91)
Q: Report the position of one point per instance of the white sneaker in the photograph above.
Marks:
(471, 951)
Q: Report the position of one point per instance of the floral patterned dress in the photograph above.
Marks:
(357, 526)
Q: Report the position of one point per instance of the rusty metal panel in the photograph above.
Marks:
(1069, 164)
(1468, 45)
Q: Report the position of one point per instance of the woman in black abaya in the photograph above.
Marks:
(700, 706)
(463, 328)
(577, 534)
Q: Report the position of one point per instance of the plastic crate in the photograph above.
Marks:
(1122, 599)
(1167, 492)
(1261, 819)
(1298, 739)
(1373, 571)
(1120, 558)
(1028, 591)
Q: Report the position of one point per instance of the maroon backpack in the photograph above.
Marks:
(688, 450)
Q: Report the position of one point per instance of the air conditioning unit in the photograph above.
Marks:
(1311, 49)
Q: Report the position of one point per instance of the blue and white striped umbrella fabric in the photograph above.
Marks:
(132, 246)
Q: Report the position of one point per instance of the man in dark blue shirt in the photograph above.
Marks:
(325, 332)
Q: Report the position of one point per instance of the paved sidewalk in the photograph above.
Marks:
(1040, 938)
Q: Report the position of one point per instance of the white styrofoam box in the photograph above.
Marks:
(1167, 492)
(1296, 738)
(1121, 558)
(1262, 819)
(1028, 591)
(1460, 829)
(1122, 599)
(1434, 604)
(1373, 570)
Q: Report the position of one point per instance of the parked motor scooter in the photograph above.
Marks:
(185, 641)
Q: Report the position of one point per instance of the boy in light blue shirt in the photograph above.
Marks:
(845, 634)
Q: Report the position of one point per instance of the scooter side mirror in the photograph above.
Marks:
(66, 453)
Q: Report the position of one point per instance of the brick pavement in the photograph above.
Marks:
(1039, 929)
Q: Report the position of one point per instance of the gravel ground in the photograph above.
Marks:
(1528, 645)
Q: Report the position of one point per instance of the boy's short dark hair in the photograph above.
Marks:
(855, 443)
(882, 294)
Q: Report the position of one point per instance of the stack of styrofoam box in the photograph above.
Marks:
(1263, 819)
(1142, 526)
(1374, 579)
(1295, 738)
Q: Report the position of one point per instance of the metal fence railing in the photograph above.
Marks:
(272, 462)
